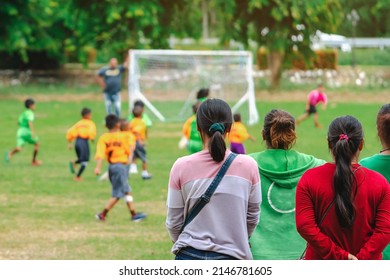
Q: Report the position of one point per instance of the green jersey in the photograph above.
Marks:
(145, 118)
(26, 117)
(24, 134)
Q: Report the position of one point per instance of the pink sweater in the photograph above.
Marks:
(225, 224)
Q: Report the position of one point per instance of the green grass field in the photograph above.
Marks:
(46, 215)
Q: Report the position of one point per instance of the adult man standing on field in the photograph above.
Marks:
(110, 80)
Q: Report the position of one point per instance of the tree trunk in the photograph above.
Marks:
(275, 61)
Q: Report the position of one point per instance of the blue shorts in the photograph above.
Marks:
(118, 174)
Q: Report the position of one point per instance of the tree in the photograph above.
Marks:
(118, 25)
(374, 18)
(280, 25)
(30, 25)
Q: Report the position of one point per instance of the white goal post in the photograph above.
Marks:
(158, 76)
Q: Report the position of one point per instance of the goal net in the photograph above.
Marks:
(167, 81)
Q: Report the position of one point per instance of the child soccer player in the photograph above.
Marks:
(115, 146)
(202, 94)
(82, 131)
(314, 97)
(238, 134)
(26, 132)
(139, 129)
(124, 126)
(148, 122)
(193, 141)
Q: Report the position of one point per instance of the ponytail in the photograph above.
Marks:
(214, 118)
(344, 137)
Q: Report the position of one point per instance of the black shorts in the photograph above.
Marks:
(140, 152)
(82, 149)
(312, 110)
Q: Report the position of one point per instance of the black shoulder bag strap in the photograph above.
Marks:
(205, 198)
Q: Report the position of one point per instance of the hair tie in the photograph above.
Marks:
(343, 137)
(217, 127)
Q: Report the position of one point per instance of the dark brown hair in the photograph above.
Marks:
(344, 137)
(212, 112)
(383, 124)
(279, 130)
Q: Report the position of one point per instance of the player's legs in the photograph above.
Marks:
(135, 216)
(9, 155)
(302, 117)
(116, 99)
(36, 162)
(110, 204)
(117, 174)
(82, 150)
(108, 103)
(315, 119)
(20, 141)
(141, 154)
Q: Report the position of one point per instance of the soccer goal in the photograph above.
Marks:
(167, 81)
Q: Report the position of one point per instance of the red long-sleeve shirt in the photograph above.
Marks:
(370, 232)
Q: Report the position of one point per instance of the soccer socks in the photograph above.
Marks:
(81, 170)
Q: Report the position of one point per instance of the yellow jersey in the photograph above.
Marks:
(138, 128)
(116, 147)
(84, 128)
(238, 133)
(187, 126)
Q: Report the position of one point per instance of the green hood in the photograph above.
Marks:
(284, 167)
(276, 236)
(280, 171)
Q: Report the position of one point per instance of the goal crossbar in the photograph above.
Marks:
(136, 93)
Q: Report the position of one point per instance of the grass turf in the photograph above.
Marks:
(46, 215)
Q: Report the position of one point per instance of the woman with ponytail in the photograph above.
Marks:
(343, 209)
(222, 229)
(381, 161)
(280, 167)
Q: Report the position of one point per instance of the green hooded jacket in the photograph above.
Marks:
(276, 237)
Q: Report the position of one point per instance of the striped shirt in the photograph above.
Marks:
(225, 224)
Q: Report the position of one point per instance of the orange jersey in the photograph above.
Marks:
(238, 133)
(187, 126)
(138, 127)
(132, 140)
(84, 128)
(115, 147)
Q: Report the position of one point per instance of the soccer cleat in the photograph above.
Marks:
(133, 169)
(78, 179)
(71, 167)
(36, 163)
(138, 217)
(146, 176)
(100, 217)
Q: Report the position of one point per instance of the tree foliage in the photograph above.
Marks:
(374, 20)
(280, 25)
(30, 25)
